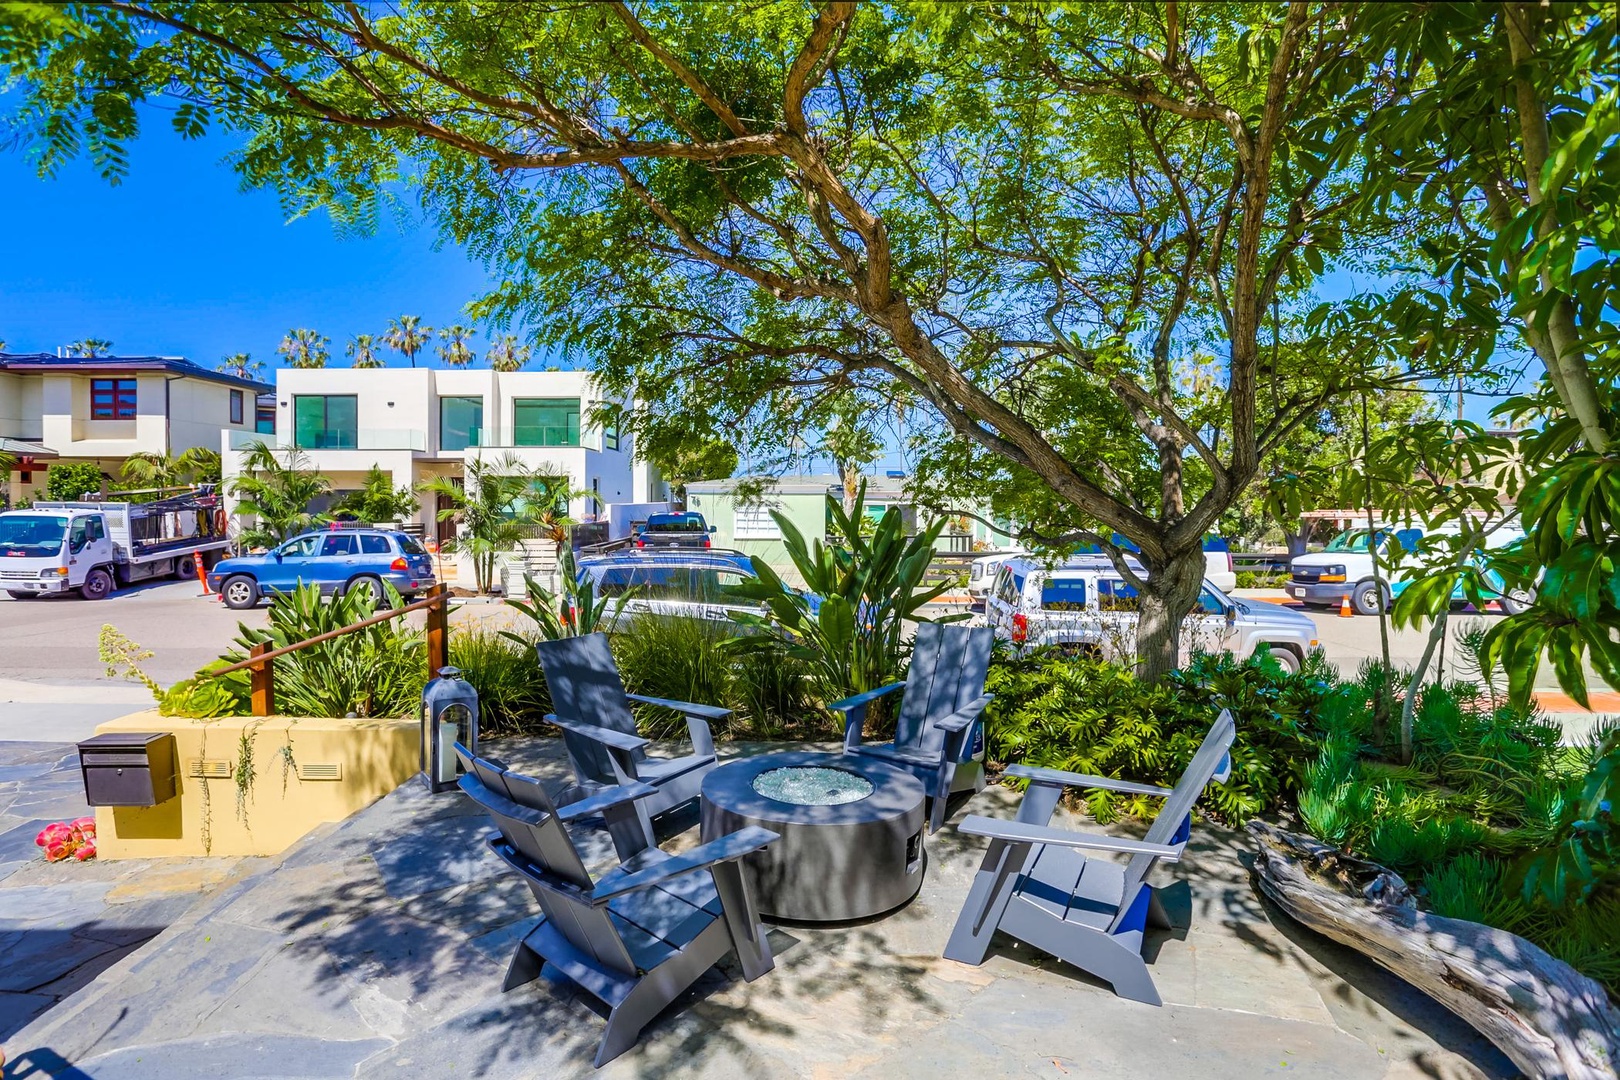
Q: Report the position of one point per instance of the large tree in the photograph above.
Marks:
(1027, 224)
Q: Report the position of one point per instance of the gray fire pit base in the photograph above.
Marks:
(849, 860)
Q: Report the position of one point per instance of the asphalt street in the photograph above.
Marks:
(54, 687)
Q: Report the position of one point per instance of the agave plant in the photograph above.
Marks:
(849, 626)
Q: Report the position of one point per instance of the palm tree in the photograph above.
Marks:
(89, 347)
(507, 355)
(198, 465)
(407, 335)
(242, 365)
(455, 351)
(492, 507)
(363, 350)
(277, 493)
(304, 348)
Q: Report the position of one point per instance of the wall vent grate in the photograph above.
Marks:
(209, 768)
(320, 770)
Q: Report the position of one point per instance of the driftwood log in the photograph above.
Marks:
(1548, 1018)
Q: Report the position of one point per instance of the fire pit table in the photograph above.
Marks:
(851, 832)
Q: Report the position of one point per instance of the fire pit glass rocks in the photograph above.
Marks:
(809, 785)
(851, 832)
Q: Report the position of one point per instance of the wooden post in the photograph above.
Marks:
(262, 680)
(438, 629)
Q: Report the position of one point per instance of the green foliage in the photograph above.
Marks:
(495, 506)
(1089, 716)
(276, 487)
(378, 499)
(512, 694)
(576, 610)
(866, 588)
(206, 696)
(73, 480)
(377, 671)
(687, 660)
(198, 465)
(1582, 858)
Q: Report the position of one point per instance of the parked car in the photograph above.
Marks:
(1218, 570)
(338, 560)
(1085, 604)
(691, 583)
(684, 530)
(1345, 568)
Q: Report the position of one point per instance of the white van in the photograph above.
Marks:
(1086, 604)
(1345, 568)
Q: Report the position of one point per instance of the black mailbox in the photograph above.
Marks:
(135, 768)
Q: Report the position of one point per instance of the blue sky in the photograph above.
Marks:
(177, 261)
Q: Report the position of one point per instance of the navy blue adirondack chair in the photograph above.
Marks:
(599, 731)
(1036, 885)
(938, 737)
(637, 937)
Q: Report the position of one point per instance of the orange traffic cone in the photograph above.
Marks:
(1345, 610)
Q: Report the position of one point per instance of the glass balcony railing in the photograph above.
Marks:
(361, 439)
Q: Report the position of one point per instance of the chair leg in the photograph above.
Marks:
(986, 902)
(524, 968)
(737, 908)
(627, 1019)
(936, 814)
(1119, 965)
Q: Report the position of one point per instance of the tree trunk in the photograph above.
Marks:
(1548, 1018)
(1171, 592)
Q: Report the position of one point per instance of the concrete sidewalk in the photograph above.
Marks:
(376, 948)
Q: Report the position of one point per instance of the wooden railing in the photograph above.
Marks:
(261, 660)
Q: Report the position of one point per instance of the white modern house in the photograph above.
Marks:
(104, 409)
(419, 424)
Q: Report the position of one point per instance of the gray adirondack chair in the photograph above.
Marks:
(574, 804)
(638, 937)
(604, 749)
(1036, 885)
(937, 737)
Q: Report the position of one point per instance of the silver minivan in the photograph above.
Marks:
(1086, 604)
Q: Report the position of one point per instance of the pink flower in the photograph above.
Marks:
(88, 851)
(56, 852)
(53, 833)
(84, 824)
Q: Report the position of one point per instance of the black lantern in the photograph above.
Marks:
(449, 716)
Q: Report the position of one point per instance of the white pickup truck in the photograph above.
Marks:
(1345, 568)
(53, 548)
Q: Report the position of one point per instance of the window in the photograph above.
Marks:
(339, 544)
(300, 548)
(112, 399)
(1010, 589)
(374, 544)
(326, 422)
(1208, 604)
(264, 419)
(610, 438)
(1063, 594)
(236, 406)
(461, 422)
(1114, 595)
(409, 546)
(545, 422)
(755, 523)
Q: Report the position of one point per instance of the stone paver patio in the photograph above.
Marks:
(376, 948)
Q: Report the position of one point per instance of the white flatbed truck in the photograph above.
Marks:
(92, 548)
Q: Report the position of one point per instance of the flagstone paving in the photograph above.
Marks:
(61, 925)
(376, 948)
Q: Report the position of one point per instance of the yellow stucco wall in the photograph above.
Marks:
(373, 757)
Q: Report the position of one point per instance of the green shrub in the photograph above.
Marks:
(378, 671)
(206, 697)
(512, 694)
(687, 659)
(73, 480)
(1262, 579)
(1090, 716)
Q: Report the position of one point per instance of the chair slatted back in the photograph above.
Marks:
(948, 668)
(549, 859)
(585, 686)
(1210, 759)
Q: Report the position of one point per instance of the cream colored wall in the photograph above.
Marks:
(199, 410)
(374, 757)
(19, 407)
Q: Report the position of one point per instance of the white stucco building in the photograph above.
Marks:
(104, 409)
(418, 424)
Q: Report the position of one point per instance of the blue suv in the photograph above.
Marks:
(338, 560)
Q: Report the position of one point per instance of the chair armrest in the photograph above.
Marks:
(608, 737)
(861, 700)
(606, 799)
(731, 846)
(964, 716)
(1019, 833)
(1070, 779)
(707, 712)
